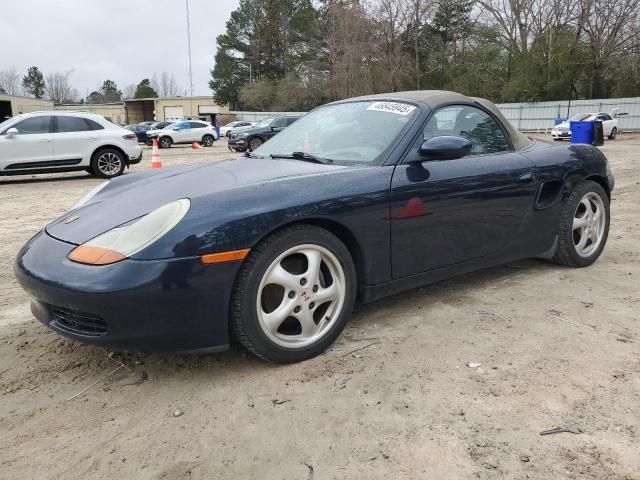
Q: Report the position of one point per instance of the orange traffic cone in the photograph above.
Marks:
(196, 146)
(155, 156)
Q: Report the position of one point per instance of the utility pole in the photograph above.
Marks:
(189, 47)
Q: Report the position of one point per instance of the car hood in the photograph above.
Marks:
(562, 125)
(154, 132)
(131, 196)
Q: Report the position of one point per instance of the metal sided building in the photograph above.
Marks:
(12, 105)
(172, 109)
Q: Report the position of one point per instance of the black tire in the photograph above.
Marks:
(165, 142)
(566, 253)
(254, 143)
(207, 140)
(614, 132)
(108, 163)
(245, 324)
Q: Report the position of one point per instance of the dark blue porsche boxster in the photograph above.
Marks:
(356, 200)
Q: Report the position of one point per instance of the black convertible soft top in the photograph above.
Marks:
(437, 98)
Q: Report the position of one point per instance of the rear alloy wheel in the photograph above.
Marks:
(294, 294)
(107, 163)
(165, 142)
(584, 226)
(254, 143)
(208, 140)
(612, 135)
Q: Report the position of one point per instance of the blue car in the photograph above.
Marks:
(140, 131)
(357, 200)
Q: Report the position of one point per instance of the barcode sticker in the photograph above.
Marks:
(392, 107)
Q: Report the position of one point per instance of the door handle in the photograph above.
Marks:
(45, 140)
(526, 178)
(92, 138)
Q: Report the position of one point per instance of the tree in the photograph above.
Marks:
(33, 82)
(129, 91)
(10, 81)
(145, 90)
(59, 89)
(95, 97)
(110, 92)
(166, 86)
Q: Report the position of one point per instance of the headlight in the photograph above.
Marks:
(92, 193)
(241, 135)
(123, 242)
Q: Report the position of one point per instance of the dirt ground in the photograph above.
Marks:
(394, 397)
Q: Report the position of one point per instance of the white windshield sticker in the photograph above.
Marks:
(392, 107)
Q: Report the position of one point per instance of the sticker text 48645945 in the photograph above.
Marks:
(392, 107)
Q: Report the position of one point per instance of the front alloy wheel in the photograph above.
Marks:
(294, 294)
(254, 143)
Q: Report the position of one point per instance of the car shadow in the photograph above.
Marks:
(454, 290)
(23, 179)
(237, 361)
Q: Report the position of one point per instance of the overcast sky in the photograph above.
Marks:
(123, 40)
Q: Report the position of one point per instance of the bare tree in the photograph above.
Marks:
(10, 82)
(59, 89)
(609, 32)
(129, 91)
(166, 86)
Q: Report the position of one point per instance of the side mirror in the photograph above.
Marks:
(276, 129)
(445, 147)
(12, 131)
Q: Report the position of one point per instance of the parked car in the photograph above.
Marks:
(226, 130)
(184, 132)
(609, 124)
(140, 131)
(359, 199)
(49, 142)
(159, 125)
(252, 137)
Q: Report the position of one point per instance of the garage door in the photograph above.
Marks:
(173, 113)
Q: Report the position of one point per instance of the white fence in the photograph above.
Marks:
(531, 117)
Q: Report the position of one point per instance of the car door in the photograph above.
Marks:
(182, 133)
(74, 139)
(276, 126)
(607, 123)
(31, 147)
(445, 212)
(198, 130)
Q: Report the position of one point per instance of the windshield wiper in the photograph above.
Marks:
(307, 157)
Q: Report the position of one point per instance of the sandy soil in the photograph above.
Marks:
(394, 398)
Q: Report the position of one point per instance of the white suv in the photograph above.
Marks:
(184, 131)
(49, 142)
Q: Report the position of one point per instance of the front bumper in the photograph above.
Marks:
(152, 305)
(560, 134)
(239, 143)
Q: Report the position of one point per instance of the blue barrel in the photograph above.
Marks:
(581, 132)
(558, 121)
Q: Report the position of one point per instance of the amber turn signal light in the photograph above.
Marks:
(224, 257)
(95, 255)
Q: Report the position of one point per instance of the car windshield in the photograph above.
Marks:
(581, 117)
(264, 123)
(350, 133)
